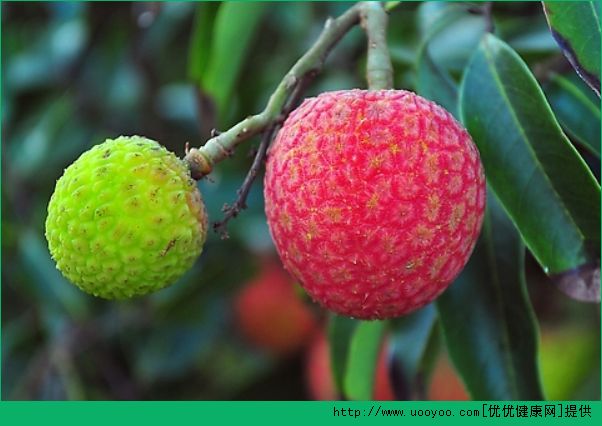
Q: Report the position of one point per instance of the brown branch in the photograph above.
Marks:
(232, 211)
(201, 160)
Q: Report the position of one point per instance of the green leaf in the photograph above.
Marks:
(361, 360)
(354, 349)
(218, 54)
(487, 320)
(453, 33)
(576, 111)
(529, 37)
(414, 342)
(576, 28)
(200, 42)
(432, 81)
(542, 182)
(340, 332)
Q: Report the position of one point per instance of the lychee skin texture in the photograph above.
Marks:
(374, 200)
(271, 315)
(125, 219)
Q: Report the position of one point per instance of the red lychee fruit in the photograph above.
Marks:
(320, 382)
(445, 383)
(271, 315)
(374, 200)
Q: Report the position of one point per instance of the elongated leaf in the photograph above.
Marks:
(234, 28)
(432, 81)
(542, 182)
(340, 332)
(576, 28)
(453, 33)
(354, 350)
(414, 341)
(362, 358)
(529, 37)
(487, 319)
(576, 111)
(200, 42)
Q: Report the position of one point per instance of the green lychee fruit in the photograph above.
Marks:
(374, 199)
(125, 219)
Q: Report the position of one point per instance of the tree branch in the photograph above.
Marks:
(242, 194)
(379, 73)
(201, 160)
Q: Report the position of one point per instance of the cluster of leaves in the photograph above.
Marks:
(75, 73)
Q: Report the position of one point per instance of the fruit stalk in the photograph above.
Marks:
(379, 71)
(373, 18)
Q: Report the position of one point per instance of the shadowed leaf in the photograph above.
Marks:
(414, 343)
(340, 331)
(217, 57)
(432, 80)
(492, 339)
(576, 111)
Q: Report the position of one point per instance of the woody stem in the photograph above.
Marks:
(373, 18)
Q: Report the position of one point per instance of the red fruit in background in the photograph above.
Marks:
(271, 315)
(374, 200)
(320, 382)
(446, 384)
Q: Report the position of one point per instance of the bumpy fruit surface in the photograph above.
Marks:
(319, 375)
(374, 200)
(125, 219)
(271, 315)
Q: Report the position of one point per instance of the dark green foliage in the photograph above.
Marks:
(542, 181)
(493, 342)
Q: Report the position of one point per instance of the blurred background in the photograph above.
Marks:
(235, 326)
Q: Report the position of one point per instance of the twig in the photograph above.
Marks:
(379, 72)
(201, 160)
(232, 211)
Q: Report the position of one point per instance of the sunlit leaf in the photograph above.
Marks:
(354, 349)
(217, 59)
(361, 359)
